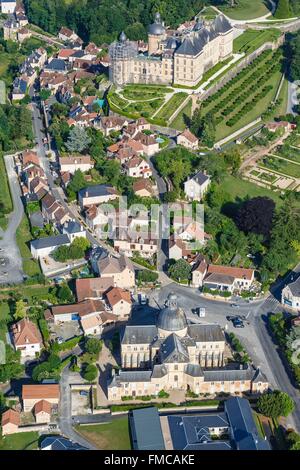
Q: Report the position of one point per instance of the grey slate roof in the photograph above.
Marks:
(223, 375)
(203, 333)
(222, 25)
(216, 278)
(295, 287)
(56, 64)
(96, 190)
(48, 242)
(194, 370)
(172, 318)
(193, 432)
(159, 370)
(146, 429)
(139, 334)
(36, 219)
(72, 227)
(172, 350)
(200, 178)
(60, 443)
(243, 426)
(130, 376)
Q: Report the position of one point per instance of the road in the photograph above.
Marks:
(9, 249)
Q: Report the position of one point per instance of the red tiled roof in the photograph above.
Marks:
(116, 295)
(41, 391)
(10, 417)
(42, 406)
(26, 332)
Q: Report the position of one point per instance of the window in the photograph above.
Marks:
(175, 367)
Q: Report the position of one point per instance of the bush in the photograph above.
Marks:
(275, 404)
(163, 394)
(90, 373)
(148, 277)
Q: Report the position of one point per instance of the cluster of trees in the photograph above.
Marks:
(76, 250)
(15, 127)
(103, 21)
(275, 404)
(294, 45)
(286, 337)
(147, 277)
(284, 9)
(180, 270)
(12, 369)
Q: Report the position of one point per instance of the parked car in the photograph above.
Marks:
(143, 299)
(234, 306)
(238, 323)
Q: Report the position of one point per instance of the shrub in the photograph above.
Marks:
(90, 373)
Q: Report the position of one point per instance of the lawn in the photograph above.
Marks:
(252, 39)
(6, 205)
(179, 122)
(239, 188)
(170, 107)
(23, 236)
(246, 10)
(4, 317)
(110, 436)
(20, 441)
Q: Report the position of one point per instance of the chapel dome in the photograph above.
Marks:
(157, 28)
(171, 317)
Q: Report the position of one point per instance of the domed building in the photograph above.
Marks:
(180, 58)
(176, 354)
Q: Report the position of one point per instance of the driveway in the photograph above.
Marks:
(9, 249)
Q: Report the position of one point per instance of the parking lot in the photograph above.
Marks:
(80, 402)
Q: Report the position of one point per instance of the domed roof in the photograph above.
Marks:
(157, 27)
(123, 37)
(172, 43)
(172, 317)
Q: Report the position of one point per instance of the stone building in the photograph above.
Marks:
(173, 354)
(181, 59)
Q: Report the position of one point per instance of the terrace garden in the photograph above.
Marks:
(246, 10)
(246, 97)
(252, 39)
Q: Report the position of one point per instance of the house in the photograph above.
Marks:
(178, 248)
(19, 88)
(8, 6)
(10, 422)
(193, 231)
(109, 124)
(92, 288)
(196, 186)
(36, 220)
(53, 211)
(149, 437)
(149, 143)
(120, 269)
(127, 245)
(42, 412)
(143, 188)
(98, 194)
(97, 324)
(67, 35)
(45, 246)
(120, 302)
(59, 443)
(96, 217)
(222, 278)
(136, 167)
(27, 338)
(290, 295)
(32, 394)
(28, 156)
(187, 139)
(74, 230)
(277, 125)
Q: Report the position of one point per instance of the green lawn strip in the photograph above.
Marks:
(252, 39)
(179, 122)
(107, 436)
(6, 204)
(29, 292)
(170, 107)
(23, 236)
(20, 441)
(246, 10)
(4, 318)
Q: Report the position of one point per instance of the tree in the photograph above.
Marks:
(293, 440)
(45, 94)
(82, 243)
(256, 216)
(78, 140)
(12, 368)
(275, 404)
(76, 184)
(90, 373)
(64, 294)
(93, 346)
(180, 270)
(20, 311)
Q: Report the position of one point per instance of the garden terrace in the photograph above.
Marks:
(246, 10)
(247, 96)
(167, 111)
(252, 39)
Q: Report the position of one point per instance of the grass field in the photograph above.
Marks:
(246, 10)
(23, 236)
(4, 316)
(179, 122)
(170, 107)
(114, 435)
(239, 188)
(6, 205)
(20, 441)
(252, 39)
(281, 166)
